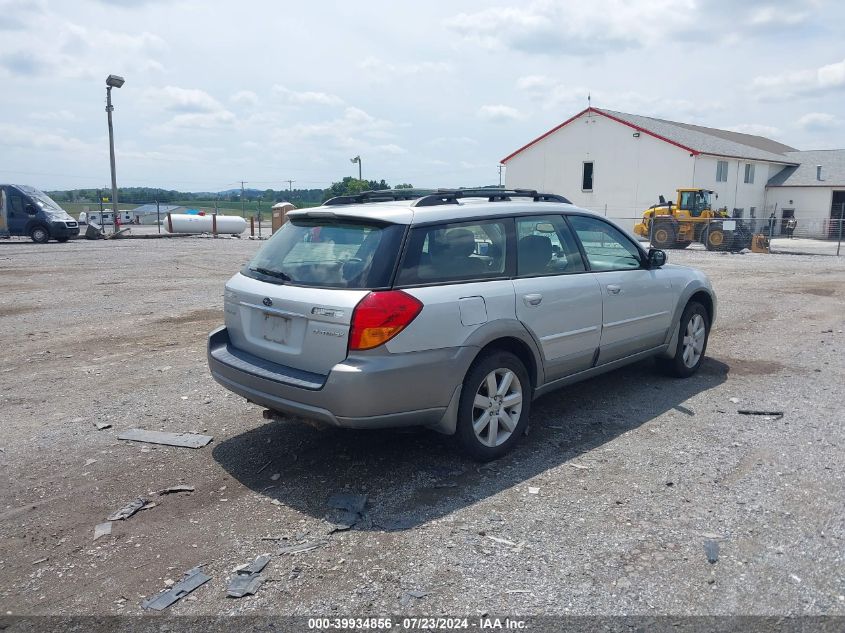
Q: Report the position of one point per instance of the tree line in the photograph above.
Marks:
(298, 197)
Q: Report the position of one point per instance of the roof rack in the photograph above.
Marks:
(379, 195)
(431, 198)
(493, 194)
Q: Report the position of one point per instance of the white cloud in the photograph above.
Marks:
(498, 113)
(307, 97)
(801, 82)
(41, 139)
(53, 115)
(757, 129)
(575, 28)
(202, 120)
(245, 97)
(768, 16)
(389, 70)
(354, 129)
(819, 121)
(176, 99)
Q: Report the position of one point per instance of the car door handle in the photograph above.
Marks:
(533, 299)
(614, 289)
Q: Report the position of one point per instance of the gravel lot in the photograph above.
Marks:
(635, 471)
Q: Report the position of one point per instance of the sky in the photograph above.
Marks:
(428, 93)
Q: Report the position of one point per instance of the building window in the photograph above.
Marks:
(752, 212)
(738, 213)
(722, 171)
(749, 173)
(587, 177)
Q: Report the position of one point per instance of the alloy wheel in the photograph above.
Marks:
(497, 407)
(694, 340)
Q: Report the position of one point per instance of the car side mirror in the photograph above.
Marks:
(656, 258)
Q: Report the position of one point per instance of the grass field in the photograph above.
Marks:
(226, 208)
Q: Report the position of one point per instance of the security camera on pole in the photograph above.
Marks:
(113, 81)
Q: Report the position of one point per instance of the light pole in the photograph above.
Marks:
(112, 81)
(357, 159)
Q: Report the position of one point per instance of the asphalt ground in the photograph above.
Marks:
(605, 508)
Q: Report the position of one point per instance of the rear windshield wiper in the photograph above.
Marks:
(273, 273)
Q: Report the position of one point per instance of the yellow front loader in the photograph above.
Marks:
(691, 218)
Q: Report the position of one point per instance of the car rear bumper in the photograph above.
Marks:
(368, 390)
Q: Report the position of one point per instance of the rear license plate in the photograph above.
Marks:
(276, 328)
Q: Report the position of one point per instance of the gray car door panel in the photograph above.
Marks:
(637, 311)
(565, 321)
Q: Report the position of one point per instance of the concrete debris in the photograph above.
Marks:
(579, 466)
(275, 477)
(247, 579)
(405, 600)
(193, 578)
(342, 520)
(186, 440)
(533, 490)
(174, 489)
(41, 560)
(711, 549)
(776, 415)
(102, 425)
(734, 400)
(503, 541)
(102, 529)
(301, 548)
(244, 584)
(128, 510)
(88, 462)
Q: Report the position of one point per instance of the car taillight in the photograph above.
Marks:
(380, 316)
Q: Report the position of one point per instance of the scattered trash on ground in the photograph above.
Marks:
(776, 415)
(301, 548)
(275, 477)
(88, 462)
(711, 549)
(579, 466)
(734, 400)
(186, 440)
(193, 578)
(503, 541)
(684, 410)
(175, 489)
(41, 560)
(405, 600)
(263, 467)
(102, 529)
(102, 425)
(128, 510)
(533, 490)
(247, 579)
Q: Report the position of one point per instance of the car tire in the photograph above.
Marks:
(692, 343)
(39, 234)
(487, 429)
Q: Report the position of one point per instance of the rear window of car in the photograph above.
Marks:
(453, 253)
(329, 254)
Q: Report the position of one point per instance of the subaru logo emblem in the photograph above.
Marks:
(267, 301)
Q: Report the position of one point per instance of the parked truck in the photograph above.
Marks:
(27, 212)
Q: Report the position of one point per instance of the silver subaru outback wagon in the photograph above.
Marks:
(451, 310)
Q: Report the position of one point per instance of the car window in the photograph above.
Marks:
(545, 246)
(16, 203)
(329, 254)
(606, 247)
(454, 252)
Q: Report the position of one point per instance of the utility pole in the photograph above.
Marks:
(112, 81)
(243, 210)
(357, 159)
(290, 185)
